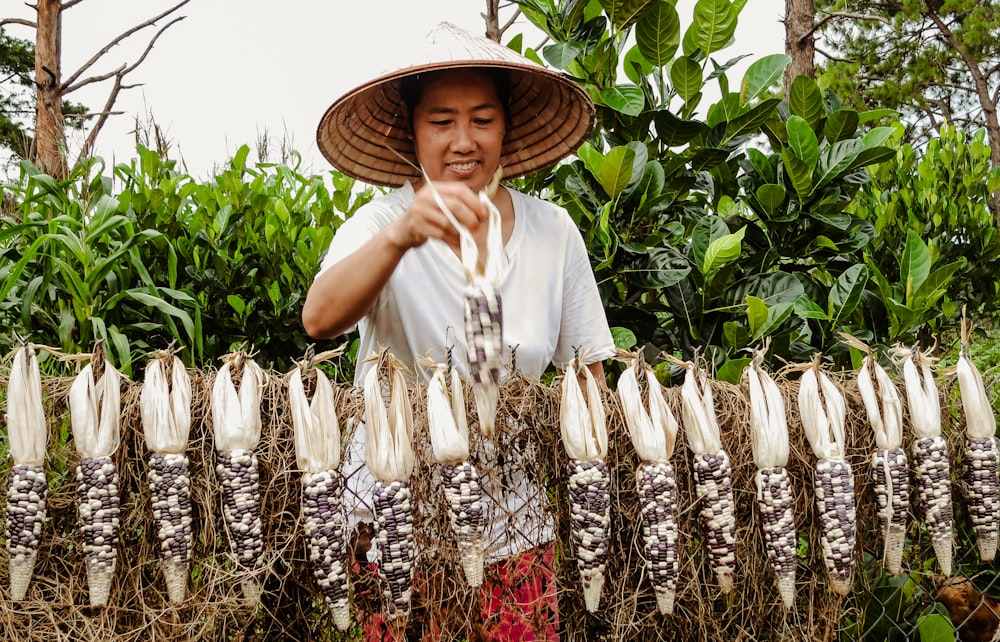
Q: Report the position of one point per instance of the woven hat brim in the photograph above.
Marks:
(364, 134)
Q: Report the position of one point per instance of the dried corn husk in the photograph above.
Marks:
(236, 418)
(449, 442)
(165, 403)
(95, 412)
(317, 429)
(27, 434)
(389, 447)
(653, 433)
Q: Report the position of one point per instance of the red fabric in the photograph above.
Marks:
(517, 603)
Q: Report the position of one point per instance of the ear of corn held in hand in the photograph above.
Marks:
(930, 454)
(27, 488)
(317, 454)
(95, 414)
(713, 474)
(981, 459)
(769, 439)
(889, 465)
(585, 437)
(823, 412)
(389, 456)
(449, 435)
(165, 405)
(237, 424)
(654, 435)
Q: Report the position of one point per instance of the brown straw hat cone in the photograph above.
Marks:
(365, 133)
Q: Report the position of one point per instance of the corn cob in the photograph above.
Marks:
(459, 478)
(483, 306)
(27, 434)
(981, 458)
(712, 474)
(823, 415)
(654, 434)
(95, 413)
(237, 424)
(585, 437)
(389, 455)
(317, 452)
(930, 454)
(769, 438)
(889, 465)
(165, 404)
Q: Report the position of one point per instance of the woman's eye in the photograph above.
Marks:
(484, 121)
(440, 123)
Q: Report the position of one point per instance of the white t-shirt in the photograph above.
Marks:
(551, 309)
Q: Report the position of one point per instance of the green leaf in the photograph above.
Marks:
(562, 54)
(878, 136)
(798, 173)
(673, 131)
(616, 170)
(914, 265)
(836, 159)
(806, 100)
(732, 370)
(840, 125)
(723, 250)
(756, 315)
(935, 628)
(776, 315)
(658, 33)
(876, 114)
(592, 159)
(623, 12)
(750, 121)
(770, 196)
(627, 99)
(806, 308)
(237, 303)
(762, 75)
(713, 25)
(685, 74)
(706, 230)
(846, 292)
(802, 140)
(166, 308)
(624, 338)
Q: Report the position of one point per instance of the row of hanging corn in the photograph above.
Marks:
(165, 406)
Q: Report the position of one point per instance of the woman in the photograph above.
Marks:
(450, 123)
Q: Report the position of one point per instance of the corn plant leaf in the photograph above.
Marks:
(658, 33)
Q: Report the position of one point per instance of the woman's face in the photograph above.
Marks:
(458, 128)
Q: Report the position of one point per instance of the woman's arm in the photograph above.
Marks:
(348, 289)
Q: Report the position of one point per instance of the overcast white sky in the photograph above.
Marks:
(231, 71)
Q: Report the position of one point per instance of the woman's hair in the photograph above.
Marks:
(411, 88)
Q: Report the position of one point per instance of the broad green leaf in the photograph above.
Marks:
(627, 99)
(658, 33)
(876, 114)
(798, 173)
(623, 12)
(666, 269)
(756, 315)
(840, 125)
(673, 131)
(706, 230)
(237, 303)
(591, 158)
(562, 54)
(624, 338)
(770, 196)
(940, 277)
(685, 74)
(806, 100)
(802, 140)
(762, 75)
(837, 220)
(914, 265)
(749, 121)
(878, 136)
(713, 25)
(723, 250)
(776, 315)
(732, 370)
(836, 158)
(616, 170)
(846, 292)
(935, 628)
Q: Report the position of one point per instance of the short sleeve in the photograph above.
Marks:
(584, 322)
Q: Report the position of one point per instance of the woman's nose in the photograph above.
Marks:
(462, 139)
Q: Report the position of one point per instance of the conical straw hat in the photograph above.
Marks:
(364, 133)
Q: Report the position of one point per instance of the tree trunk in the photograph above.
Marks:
(800, 44)
(50, 138)
(492, 18)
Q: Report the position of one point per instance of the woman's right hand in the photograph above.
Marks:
(424, 219)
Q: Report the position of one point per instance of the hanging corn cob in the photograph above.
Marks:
(236, 423)
(654, 435)
(981, 460)
(585, 437)
(95, 414)
(769, 439)
(449, 435)
(713, 473)
(930, 453)
(483, 307)
(165, 404)
(389, 456)
(823, 412)
(891, 472)
(27, 434)
(317, 453)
